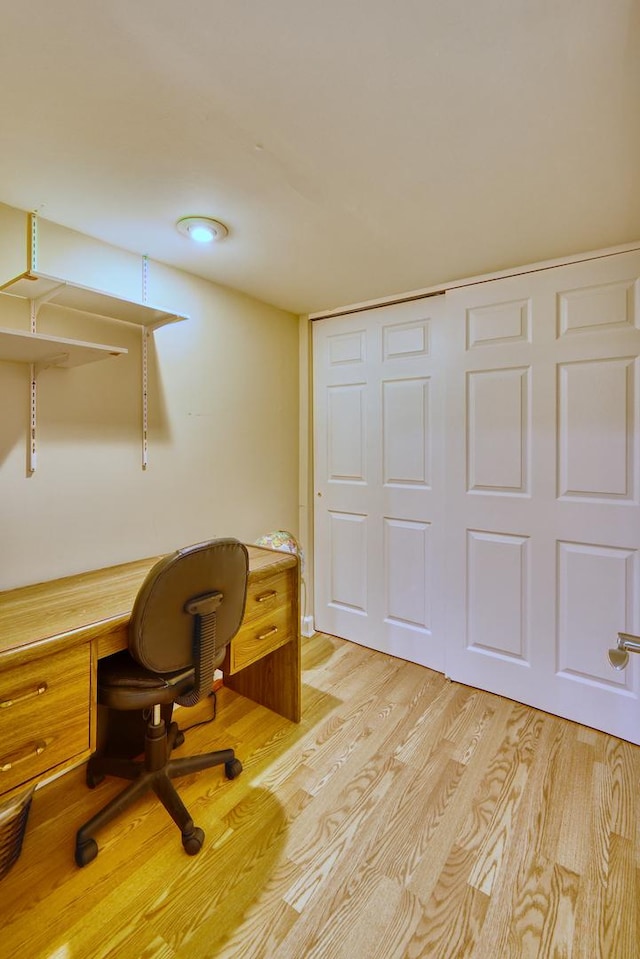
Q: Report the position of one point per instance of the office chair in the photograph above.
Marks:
(186, 612)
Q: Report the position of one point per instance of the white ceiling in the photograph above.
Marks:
(354, 148)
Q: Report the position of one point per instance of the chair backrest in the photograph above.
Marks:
(161, 630)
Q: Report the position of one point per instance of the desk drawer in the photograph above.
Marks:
(44, 715)
(257, 639)
(267, 623)
(268, 596)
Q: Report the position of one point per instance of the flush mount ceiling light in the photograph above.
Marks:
(202, 229)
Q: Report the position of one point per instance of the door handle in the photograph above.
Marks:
(619, 657)
(263, 597)
(35, 749)
(15, 700)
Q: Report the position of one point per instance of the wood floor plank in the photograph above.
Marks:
(453, 915)
(545, 800)
(620, 929)
(345, 925)
(524, 895)
(624, 787)
(405, 817)
(446, 827)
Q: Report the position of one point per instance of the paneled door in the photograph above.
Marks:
(543, 488)
(379, 495)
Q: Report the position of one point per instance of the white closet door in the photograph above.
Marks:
(543, 489)
(379, 514)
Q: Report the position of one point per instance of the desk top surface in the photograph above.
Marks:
(81, 607)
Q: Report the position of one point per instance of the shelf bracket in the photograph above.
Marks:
(49, 295)
(54, 360)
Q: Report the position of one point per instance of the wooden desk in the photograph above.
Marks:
(53, 634)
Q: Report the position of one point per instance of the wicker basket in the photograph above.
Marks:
(13, 824)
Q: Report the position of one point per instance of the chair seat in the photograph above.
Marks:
(124, 684)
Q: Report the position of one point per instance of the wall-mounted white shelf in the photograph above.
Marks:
(41, 288)
(17, 346)
(41, 351)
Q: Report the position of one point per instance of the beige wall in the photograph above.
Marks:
(224, 424)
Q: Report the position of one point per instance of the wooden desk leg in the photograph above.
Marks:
(274, 681)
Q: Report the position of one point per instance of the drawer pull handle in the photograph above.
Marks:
(263, 597)
(36, 750)
(269, 632)
(38, 691)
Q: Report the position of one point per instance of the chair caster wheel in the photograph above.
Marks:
(93, 779)
(192, 841)
(233, 769)
(86, 852)
(178, 741)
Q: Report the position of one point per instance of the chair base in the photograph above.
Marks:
(154, 772)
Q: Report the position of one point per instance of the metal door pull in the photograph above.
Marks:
(619, 657)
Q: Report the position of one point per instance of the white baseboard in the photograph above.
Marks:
(307, 628)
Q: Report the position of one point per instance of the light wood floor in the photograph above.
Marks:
(407, 816)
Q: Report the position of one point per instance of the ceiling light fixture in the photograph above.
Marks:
(202, 229)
